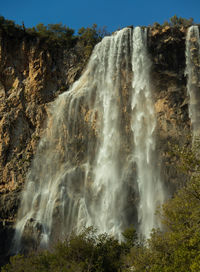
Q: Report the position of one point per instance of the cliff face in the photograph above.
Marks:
(167, 49)
(32, 75)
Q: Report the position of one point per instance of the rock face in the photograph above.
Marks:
(32, 75)
(167, 48)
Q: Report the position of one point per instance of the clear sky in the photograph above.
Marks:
(111, 13)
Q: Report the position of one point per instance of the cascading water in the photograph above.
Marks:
(107, 186)
(143, 125)
(192, 72)
(99, 137)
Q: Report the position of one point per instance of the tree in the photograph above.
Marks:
(89, 37)
(85, 252)
(178, 21)
(177, 248)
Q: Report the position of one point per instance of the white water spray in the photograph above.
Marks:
(192, 72)
(83, 172)
(143, 125)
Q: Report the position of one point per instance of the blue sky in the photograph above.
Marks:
(111, 13)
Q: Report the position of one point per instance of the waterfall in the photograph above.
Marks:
(96, 165)
(143, 124)
(192, 72)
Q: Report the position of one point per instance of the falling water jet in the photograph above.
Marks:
(192, 71)
(83, 171)
(143, 126)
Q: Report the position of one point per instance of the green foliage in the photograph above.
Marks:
(89, 37)
(84, 252)
(175, 21)
(57, 35)
(178, 21)
(177, 248)
(11, 28)
(189, 162)
(130, 238)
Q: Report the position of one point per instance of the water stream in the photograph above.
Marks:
(96, 163)
(143, 124)
(192, 72)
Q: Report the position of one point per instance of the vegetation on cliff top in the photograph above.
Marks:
(61, 35)
(56, 35)
(176, 22)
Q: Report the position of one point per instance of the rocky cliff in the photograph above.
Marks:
(32, 75)
(167, 49)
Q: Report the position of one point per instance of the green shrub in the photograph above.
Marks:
(84, 252)
(177, 248)
(178, 21)
(89, 37)
(57, 35)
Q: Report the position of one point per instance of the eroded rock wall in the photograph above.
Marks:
(32, 75)
(167, 49)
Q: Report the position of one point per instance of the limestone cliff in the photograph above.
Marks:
(32, 75)
(167, 49)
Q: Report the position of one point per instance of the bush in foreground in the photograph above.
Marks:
(84, 252)
(175, 249)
